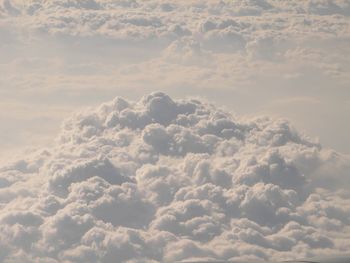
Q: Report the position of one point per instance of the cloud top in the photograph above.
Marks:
(163, 180)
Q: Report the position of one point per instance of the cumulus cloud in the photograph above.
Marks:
(163, 180)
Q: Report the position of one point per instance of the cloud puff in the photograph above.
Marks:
(163, 180)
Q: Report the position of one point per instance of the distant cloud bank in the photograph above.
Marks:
(163, 180)
(270, 55)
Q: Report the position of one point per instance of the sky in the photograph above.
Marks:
(208, 129)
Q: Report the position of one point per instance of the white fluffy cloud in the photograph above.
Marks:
(162, 180)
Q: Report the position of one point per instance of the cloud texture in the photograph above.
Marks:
(187, 33)
(162, 180)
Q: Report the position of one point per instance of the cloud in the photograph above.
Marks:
(229, 24)
(244, 49)
(162, 180)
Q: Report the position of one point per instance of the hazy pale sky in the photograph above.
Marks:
(283, 58)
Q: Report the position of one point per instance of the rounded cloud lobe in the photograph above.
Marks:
(163, 180)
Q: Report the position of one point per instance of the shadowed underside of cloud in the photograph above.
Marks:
(163, 180)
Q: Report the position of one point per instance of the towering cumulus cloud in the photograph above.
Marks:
(162, 180)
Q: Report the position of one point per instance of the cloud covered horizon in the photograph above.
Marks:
(288, 58)
(163, 180)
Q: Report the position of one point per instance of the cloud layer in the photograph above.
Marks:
(162, 180)
(195, 35)
(266, 55)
